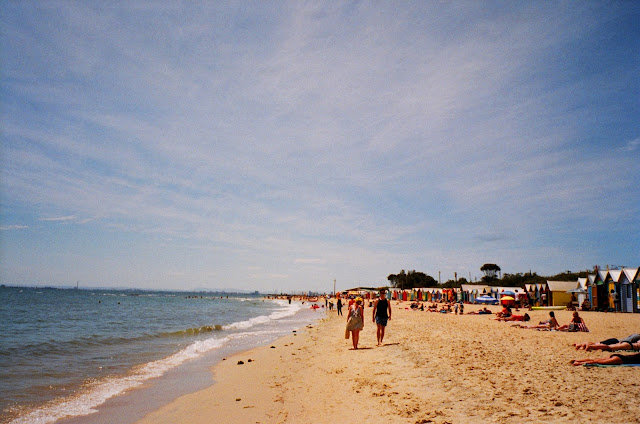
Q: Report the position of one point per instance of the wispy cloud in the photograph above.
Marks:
(310, 261)
(13, 227)
(59, 218)
(332, 135)
(633, 145)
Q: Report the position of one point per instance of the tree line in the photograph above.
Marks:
(492, 277)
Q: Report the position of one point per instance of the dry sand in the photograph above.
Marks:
(434, 368)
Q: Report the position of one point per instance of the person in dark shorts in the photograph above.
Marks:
(611, 344)
(381, 314)
(339, 306)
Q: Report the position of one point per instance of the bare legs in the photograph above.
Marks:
(602, 361)
(355, 337)
(380, 333)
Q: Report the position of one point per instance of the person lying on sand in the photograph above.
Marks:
(630, 343)
(615, 359)
(483, 311)
(524, 317)
(417, 305)
(446, 308)
(550, 324)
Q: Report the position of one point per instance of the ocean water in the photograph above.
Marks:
(65, 352)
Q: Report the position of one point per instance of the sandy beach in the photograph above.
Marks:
(433, 368)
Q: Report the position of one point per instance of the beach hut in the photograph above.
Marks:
(582, 284)
(602, 285)
(629, 290)
(598, 288)
(558, 290)
(614, 287)
(591, 290)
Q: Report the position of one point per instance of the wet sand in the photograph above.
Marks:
(433, 368)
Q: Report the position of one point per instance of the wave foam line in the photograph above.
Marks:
(86, 403)
(286, 311)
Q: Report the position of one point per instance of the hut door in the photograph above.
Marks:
(628, 297)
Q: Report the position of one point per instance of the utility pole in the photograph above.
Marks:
(439, 278)
(334, 287)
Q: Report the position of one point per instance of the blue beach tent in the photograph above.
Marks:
(487, 300)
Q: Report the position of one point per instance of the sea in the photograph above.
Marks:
(89, 355)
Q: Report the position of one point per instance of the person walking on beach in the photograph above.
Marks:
(339, 306)
(355, 321)
(381, 314)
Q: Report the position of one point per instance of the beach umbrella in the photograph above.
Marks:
(577, 291)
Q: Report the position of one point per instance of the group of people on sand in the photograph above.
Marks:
(446, 308)
(630, 343)
(576, 324)
(355, 318)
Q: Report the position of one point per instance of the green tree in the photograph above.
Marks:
(490, 272)
(411, 279)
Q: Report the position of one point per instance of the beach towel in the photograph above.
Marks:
(603, 366)
(578, 327)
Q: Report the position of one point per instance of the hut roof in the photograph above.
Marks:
(582, 282)
(615, 274)
(631, 273)
(561, 286)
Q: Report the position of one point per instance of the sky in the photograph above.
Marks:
(277, 146)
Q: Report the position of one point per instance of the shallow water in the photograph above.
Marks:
(65, 352)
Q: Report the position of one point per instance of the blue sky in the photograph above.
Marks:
(280, 145)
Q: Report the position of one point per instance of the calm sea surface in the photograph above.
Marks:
(64, 352)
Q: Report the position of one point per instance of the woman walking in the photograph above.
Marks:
(355, 321)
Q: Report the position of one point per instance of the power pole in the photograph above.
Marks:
(334, 287)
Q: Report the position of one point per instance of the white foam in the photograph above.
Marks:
(286, 311)
(100, 392)
(86, 403)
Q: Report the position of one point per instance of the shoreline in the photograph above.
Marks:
(100, 401)
(433, 368)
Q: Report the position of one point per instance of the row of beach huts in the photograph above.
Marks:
(604, 290)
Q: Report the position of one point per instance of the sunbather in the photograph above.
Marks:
(629, 343)
(505, 312)
(576, 324)
(483, 311)
(615, 359)
(550, 324)
(524, 317)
